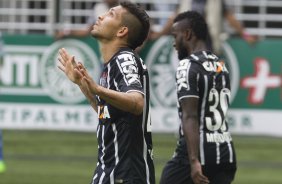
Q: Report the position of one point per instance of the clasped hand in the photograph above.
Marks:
(77, 73)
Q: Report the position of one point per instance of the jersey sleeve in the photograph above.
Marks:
(127, 75)
(187, 80)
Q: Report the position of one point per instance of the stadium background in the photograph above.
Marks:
(50, 139)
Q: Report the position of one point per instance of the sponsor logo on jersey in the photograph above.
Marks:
(57, 85)
(214, 66)
(129, 68)
(181, 74)
(103, 112)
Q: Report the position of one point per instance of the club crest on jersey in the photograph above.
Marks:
(103, 112)
(217, 67)
(103, 79)
(129, 68)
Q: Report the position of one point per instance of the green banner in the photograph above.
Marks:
(36, 95)
(260, 74)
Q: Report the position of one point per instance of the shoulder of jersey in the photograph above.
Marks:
(124, 54)
(209, 62)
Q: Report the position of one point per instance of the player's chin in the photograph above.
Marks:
(93, 32)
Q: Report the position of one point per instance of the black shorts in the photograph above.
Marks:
(177, 171)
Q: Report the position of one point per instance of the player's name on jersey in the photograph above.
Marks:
(219, 137)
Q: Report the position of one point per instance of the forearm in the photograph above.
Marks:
(234, 23)
(130, 102)
(191, 132)
(165, 30)
(90, 98)
(93, 104)
(80, 33)
(167, 27)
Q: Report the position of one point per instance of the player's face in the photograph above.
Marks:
(107, 25)
(179, 41)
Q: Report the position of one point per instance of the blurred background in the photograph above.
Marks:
(48, 128)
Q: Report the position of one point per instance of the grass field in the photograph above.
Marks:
(48, 157)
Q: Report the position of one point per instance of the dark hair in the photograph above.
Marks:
(196, 22)
(138, 24)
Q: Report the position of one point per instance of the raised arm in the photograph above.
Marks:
(230, 17)
(132, 102)
(68, 65)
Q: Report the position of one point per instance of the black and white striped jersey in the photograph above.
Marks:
(203, 76)
(124, 139)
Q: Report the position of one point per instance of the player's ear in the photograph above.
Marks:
(123, 31)
(188, 34)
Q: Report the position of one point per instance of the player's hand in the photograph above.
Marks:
(87, 83)
(84, 86)
(197, 175)
(69, 66)
(250, 39)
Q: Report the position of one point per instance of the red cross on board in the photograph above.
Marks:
(260, 81)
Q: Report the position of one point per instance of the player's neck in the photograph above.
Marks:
(198, 46)
(109, 49)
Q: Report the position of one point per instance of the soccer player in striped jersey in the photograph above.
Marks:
(121, 99)
(205, 151)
